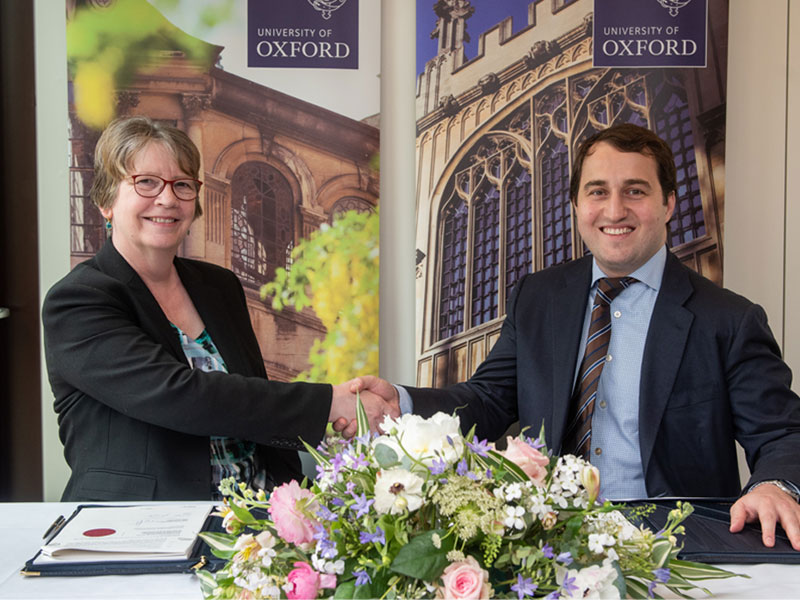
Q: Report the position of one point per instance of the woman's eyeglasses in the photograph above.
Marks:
(150, 186)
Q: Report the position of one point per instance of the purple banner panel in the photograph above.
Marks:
(321, 34)
(650, 33)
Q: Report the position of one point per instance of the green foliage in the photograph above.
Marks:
(335, 272)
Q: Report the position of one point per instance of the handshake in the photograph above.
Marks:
(378, 396)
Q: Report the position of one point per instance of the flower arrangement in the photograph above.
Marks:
(423, 511)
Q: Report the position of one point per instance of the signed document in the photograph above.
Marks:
(127, 533)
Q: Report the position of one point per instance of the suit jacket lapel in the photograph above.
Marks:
(152, 317)
(663, 351)
(567, 311)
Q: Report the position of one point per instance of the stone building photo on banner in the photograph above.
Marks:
(506, 92)
(282, 99)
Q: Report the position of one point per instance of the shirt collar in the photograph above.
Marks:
(650, 273)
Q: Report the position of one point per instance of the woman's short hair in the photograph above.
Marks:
(628, 138)
(121, 142)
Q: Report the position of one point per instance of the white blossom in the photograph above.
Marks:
(397, 490)
(423, 440)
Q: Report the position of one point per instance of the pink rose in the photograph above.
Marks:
(290, 519)
(304, 582)
(527, 458)
(465, 580)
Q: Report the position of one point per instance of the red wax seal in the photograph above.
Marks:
(99, 532)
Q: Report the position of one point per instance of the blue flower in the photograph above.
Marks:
(438, 467)
(535, 444)
(524, 587)
(565, 557)
(553, 595)
(366, 538)
(479, 447)
(361, 505)
(547, 551)
(362, 577)
(359, 461)
(462, 467)
(337, 501)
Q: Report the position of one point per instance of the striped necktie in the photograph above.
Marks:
(578, 439)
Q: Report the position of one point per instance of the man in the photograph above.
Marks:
(690, 367)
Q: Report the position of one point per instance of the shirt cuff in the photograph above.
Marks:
(406, 403)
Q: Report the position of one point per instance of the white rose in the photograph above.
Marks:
(423, 440)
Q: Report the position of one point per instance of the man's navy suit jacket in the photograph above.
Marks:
(711, 374)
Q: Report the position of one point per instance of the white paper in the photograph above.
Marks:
(152, 532)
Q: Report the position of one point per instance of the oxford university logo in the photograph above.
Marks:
(326, 7)
(672, 5)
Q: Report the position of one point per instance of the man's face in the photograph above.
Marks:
(620, 209)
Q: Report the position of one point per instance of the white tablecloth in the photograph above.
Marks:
(22, 526)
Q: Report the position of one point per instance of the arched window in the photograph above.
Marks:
(673, 124)
(262, 222)
(485, 243)
(454, 255)
(518, 241)
(556, 215)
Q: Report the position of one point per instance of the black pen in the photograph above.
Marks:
(53, 529)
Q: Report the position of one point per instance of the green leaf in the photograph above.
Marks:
(219, 541)
(242, 514)
(421, 559)
(693, 570)
(661, 550)
(361, 416)
(386, 456)
(636, 589)
(345, 590)
(318, 458)
(497, 461)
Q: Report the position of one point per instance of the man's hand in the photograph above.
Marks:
(343, 408)
(770, 505)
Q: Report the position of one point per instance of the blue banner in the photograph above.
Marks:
(650, 33)
(302, 34)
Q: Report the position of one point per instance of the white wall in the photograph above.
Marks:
(763, 156)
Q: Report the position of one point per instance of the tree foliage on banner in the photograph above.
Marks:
(107, 47)
(336, 273)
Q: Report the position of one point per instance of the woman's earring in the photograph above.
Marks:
(108, 225)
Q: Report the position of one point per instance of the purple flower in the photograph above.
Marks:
(364, 439)
(569, 585)
(359, 461)
(349, 487)
(524, 587)
(565, 557)
(553, 595)
(662, 575)
(367, 538)
(438, 467)
(547, 551)
(489, 474)
(479, 447)
(337, 501)
(450, 441)
(462, 467)
(337, 462)
(362, 577)
(535, 444)
(326, 514)
(361, 505)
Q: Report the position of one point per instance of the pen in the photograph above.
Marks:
(54, 528)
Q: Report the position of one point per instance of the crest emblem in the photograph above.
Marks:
(326, 7)
(672, 5)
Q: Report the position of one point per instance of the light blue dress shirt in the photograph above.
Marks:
(615, 424)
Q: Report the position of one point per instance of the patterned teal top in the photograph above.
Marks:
(230, 457)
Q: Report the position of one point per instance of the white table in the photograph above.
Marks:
(22, 526)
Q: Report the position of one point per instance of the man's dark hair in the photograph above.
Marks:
(628, 138)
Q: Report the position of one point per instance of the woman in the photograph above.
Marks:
(159, 382)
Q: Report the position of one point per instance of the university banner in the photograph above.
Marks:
(506, 92)
(282, 99)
